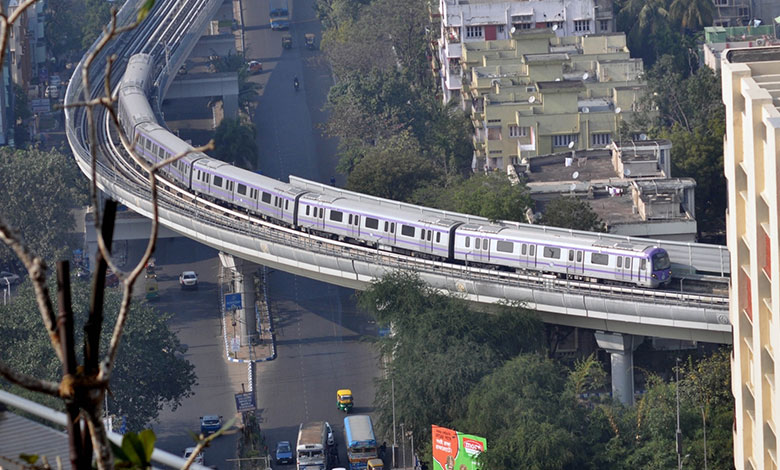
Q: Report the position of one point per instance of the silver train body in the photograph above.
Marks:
(375, 222)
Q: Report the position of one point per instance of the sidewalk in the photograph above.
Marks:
(262, 346)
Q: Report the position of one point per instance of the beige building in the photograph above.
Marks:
(751, 93)
(539, 93)
(719, 38)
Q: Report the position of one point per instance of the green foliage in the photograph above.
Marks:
(392, 169)
(489, 195)
(150, 372)
(136, 450)
(573, 213)
(96, 16)
(440, 349)
(52, 184)
(234, 142)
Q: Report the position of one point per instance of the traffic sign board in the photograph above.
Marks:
(245, 402)
(232, 301)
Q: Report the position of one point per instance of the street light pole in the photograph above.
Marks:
(678, 433)
(403, 446)
(392, 392)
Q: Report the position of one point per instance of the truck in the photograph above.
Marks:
(312, 447)
(360, 441)
(278, 14)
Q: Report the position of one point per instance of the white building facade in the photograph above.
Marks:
(486, 20)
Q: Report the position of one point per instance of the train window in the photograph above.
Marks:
(253, 193)
(485, 244)
(532, 250)
(357, 220)
(373, 223)
(438, 237)
(208, 177)
(523, 249)
(628, 262)
(599, 258)
(321, 212)
(392, 227)
(407, 230)
(477, 243)
(336, 216)
(468, 242)
(160, 152)
(551, 252)
(350, 219)
(307, 210)
(571, 255)
(385, 225)
(506, 247)
(241, 189)
(579, 256)
(619, 261)
(643, 264)
(428, 237)
(148, 144)
(266, 197)
(287, 205)
(217, 181)
(422, 234)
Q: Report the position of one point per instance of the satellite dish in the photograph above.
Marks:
(618, 110)
(558, 79)
(571, 144)
(586, 110)
(512, 30)
(575, 175)
(555, 27)
(627, 172)
(531, 99)
(642, 136)
(494, 82)
(585, 76)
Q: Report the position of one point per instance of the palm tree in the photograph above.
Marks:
(692, 15)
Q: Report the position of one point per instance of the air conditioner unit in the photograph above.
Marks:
(760, 42)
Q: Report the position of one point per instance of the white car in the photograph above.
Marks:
(199, 459)
(331, 439)
(188, 280)
(9, 278)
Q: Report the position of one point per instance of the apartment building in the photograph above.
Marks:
(476, 21)
(751, 90)
(539, 93)
(719, 38)
(745, 12)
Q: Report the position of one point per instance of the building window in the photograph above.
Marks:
(500, 29)
(603, 25)
(555, 24)
(523, 21)
(600, 140)
(743, 11)
(564, 140)
(721, 3)
(494, 133)
(516, 131)
(581, 26)
(474, 32)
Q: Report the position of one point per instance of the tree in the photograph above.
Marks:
(49, 182)
(394, 168)
(572, 213)
(22, 113)
(440, 349)
(492, 196)
(234, 142)
(692, 15)
(150, 374)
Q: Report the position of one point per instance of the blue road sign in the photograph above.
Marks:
(245, 402)
(232, 301)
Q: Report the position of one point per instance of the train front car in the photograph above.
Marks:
(660, 266)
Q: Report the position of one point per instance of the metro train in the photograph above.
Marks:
(396, 227)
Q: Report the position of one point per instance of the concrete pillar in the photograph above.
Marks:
(230, 106)
(621, 351)
(240, 274)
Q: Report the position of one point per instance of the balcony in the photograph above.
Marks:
(452, 79)
(453, 50)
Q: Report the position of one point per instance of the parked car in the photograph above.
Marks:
(254, 66)
(188, 280)
(7, 277)
(284, 453)
(200, 459)
(209, 424)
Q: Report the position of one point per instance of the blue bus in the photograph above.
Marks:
(360, 441)
(279, 14)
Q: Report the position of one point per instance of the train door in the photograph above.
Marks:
(624, 265)
(426, 240)
(527, 255)
(353, 225)
(482, 249)
(389, 229)
(575, 265)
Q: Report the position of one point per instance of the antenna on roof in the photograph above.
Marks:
(642, 136)
(571, 144)
(618, 110)
(585, 76)
(531, 99)
(575, 175)
(555, 27)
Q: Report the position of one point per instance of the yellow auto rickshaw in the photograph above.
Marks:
(375, 464)
(309, 40)
(344, 399)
